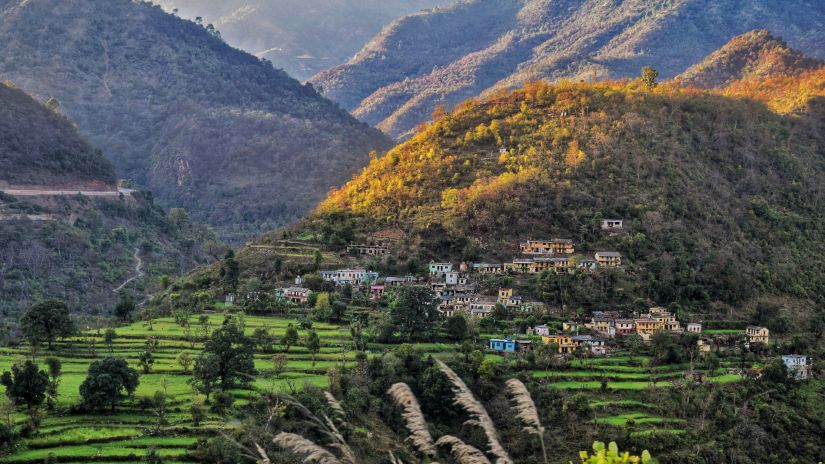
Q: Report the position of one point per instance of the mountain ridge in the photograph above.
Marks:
(538, 40)
(204, 126)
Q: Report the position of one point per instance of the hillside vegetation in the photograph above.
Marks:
(472, 48)
(722, 197)
(41, 147)
(756, 55)
(77, 248)
(239, 144)
(302, 37)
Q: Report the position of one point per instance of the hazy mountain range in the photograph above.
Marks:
(303, 37)
(479, 46)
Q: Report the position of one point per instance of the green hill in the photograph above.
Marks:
(239, 144)
(476, 47)
(41, 147)
(73, 247)
(721, 197)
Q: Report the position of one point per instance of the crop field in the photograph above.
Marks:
(616, 385)
(613, 386)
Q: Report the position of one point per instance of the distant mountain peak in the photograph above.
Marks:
(757, 54)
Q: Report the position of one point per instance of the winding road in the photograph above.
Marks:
(138, 272)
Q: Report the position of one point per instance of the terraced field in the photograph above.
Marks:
(627, 380)
(126, 436)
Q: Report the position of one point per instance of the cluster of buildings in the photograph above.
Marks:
(657, 319)
(553, 255)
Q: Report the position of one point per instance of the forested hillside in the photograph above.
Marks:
(302, 37)
(476, 47)
(72, 247)
(41, 147)
(239, 144)
(721, 197)
(752, 56)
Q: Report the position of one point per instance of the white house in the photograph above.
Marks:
(439, 269)
(539, 330)
(694, 327)
(798, 365)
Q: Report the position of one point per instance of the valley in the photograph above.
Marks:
(510, 232)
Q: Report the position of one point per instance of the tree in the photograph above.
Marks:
(105, 383)
(205, 376)
(109, 339)
(234, 352)
(197, 412)
(26, 384)
(290, 337)
(184, 359)
(279, 362)
(160, 406)
(230, 271)
(263, 339)
(649, 76)
(414, 311)
(125, 307)
(55, 368)
(313, 344)
(47, 321)
(146, 360)
(456, 327)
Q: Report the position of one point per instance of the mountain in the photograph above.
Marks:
(472, 48)
(301, 37)
(40, 147)
(754, 55)
(78, 248)
(239, 144)
(721, 196)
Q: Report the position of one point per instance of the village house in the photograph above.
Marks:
(353, 277)
(439, 269)
(603, 326)
(546, 247)
(229, 300)
(399, 281)
(540, 330)
(482, 308)
(646, 327)
(508, 345)
(612, 225)
(564, 342)
(694, 327)
(665, 318)
(514, 301)
(757, 334)
(451, 278)
(488, 268)
(376, 291)
(608, 259)
(594, 344)
(799, 366)
(704, 344)
(369, 250)
(624, 326)
(588, 265)
(570, 327)
(504, 294)
(296, 294)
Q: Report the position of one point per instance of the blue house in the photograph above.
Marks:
(506, 345)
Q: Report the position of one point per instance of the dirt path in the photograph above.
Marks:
(138, 272)
(88, 193)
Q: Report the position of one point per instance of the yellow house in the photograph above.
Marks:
(646, 327)
(544, 247)
(504, 294)
(757, 334)
(565, 342)
(608, 259)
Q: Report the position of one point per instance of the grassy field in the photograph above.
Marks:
(128, 435)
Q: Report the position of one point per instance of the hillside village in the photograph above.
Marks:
(459, 291)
